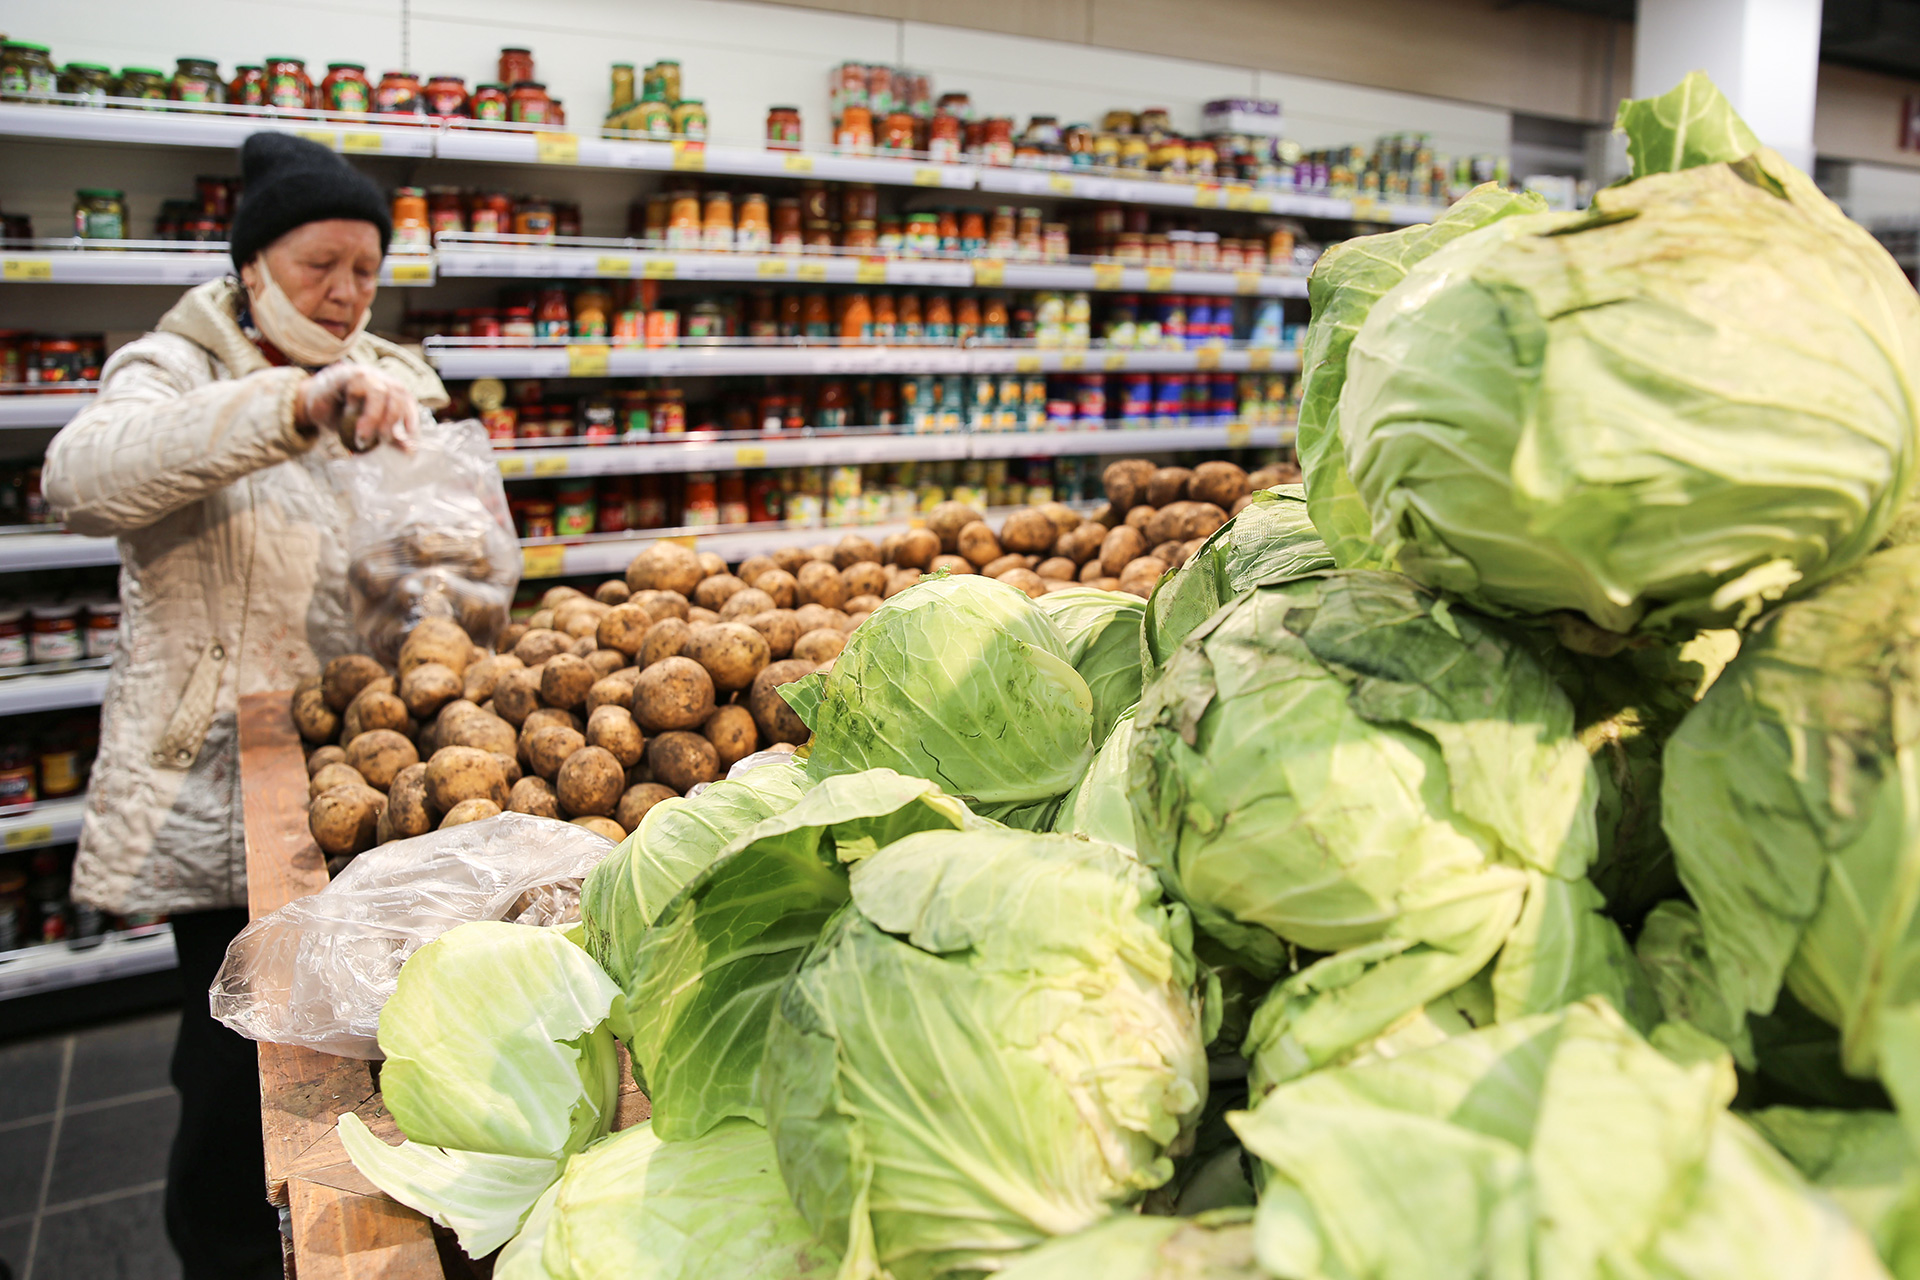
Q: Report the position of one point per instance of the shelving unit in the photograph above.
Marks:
(49, 822)
(79, 962)
(36, 410)
(159, 262)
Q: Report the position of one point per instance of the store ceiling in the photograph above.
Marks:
(1879, 35)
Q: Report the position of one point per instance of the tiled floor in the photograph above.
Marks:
(85, 1122)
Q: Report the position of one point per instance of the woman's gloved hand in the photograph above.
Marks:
(364, 406)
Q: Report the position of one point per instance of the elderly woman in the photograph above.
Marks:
(206, 456)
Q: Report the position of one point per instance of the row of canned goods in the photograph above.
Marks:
(49, 361)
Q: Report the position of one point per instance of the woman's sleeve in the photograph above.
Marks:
(153, 442)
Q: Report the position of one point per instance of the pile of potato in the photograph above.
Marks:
(599, 707)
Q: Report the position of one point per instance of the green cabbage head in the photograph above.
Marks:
(1102, 634)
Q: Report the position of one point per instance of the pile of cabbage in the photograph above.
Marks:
(1498, 857)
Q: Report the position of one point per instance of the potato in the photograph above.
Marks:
(534, 795)
(698, 617)
(613, 729)
(661, 604)
(1024, 579)
(469, 811)
(855, 619)
(947, 519)
(916, 549)
(732, 653)
(790, 558)
(866, 578)
(1027, 531)
(345, 677)
(636, 800)
(406, 814)
(339, 774)
(509, 765)
(428, 687)
(590, 782)
(615, 690)
(733, 734)
(1059, 584)
(710, 564)
(1063, 517)
(510, 636)
(1012, 560)
(901, 579)
(564, 681)
(578, 623)
(744, 604)
(612, 591)
(821, 584)
(517, 695)
(344, 820)
(375, 708)
(821, 551)
(538, 645)
(1106, 515)
(683, 760)
(1180, 521)
(481, 729)
(673, 693)
(978, 545)
(862, 604)
(379, 754)
(602, 827)
(1091, 570)
(1167, 484)
(820, 646)
(543, 718)
(1139, 576)
(553, 597)
(549, 746)
(1125, 482)
(1120, 546)
(478, 684)
(605, 662)
(320, 757)
(1057, 568)
(1176, 553)
(1266, 478)
(464, 773)
(777, 720)
(440, 640)
(663, 639)
(854, 549)
(665, 566)
(812, 617)
(753, 566)
(717, 590)
(780, 587)
(952, 564)
(1217, 482)
(1140, 517)
(890, 548)
(316, 721)
(780, 628)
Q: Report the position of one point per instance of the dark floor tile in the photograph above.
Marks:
(121, 1058)
(29, 1078)
(23, 1159)
(13, 1249)
(113, 1148)
(123, 1239)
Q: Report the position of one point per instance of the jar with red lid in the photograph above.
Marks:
(516, 327)
(552, 318)
(446, 210)
(670, 412)
(103, 628)
(489, 102)
(528, 103)
(996, 141)
(573, 509)
(943, 139)
(287, 86)
(612, 501)
(490, 214)
(701, 506)
(398, 94)
(411, 228)
(516, 65)
(783, 128)
(345, 89)
(445, 97)
(501, 423)
(53, 634)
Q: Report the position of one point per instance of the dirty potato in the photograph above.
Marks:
(407, 813)
(339, 774)
(733, 734)
(636, 800)
(614, 730)
(379, 754)
(776, 720)
(345, 677)
(780, 627)
(744, 604)
(682, 760)
(345, 819)
(615, 690)
(538, 645)
(564, 681)
(820, 583)
(665, 566)
(455, 774)
(674, 693)
(534, 795)
(429, 687)
(590, 782)
(549, 746)
(466, 811)
(732, 652)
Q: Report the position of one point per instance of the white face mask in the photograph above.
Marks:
(281, 323)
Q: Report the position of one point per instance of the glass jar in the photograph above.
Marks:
(26, 68)
(54, 634)
(1134, 153)
(516, 65)
(856, 318)
(445, 97)
(532, 218)
(88, 80)
(398, 95)
(17, 791)
(490, 214)
(144, 83)
(287, 87)
(538, 519)
(346, 90)
(786, 224)
(783, 128)
(489, 102)
(860, 202)
(996, 142)
(13, 636)
(1077, 141)
(516, 328)
(666, 74)
(197, 80)
(446, 210)
(100, 214)
(553, 318)
(590, 308)
(528, 103)
(622, 90)
(854, 134)
(683, 220)
(670, 412)
(690, 119)
(103, 628)
(966, 318)
(411, 226)
(896, 134)
(939, 318)
(653, 118)
(716, 223)
(751, 233)
(248, 88)
(573, 509)
(943, 138)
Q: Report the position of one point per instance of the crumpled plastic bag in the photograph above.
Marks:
(318, 971)
(430, 536)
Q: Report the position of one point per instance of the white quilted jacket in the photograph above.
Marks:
(232, 581)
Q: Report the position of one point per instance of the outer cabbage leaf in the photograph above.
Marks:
(1212, 1246)
(1689, 125)
(708, 973)
(521, 1258)
(637, 1208)
(1102, 634)
(497, 1042)
(1099, 807)
(1563, 949)
(482, 1198)
(1673, 952)
(1866, 1162)
(961, 680)
(1350, 278)
(996, 1042)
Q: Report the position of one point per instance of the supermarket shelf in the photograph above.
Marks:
(22, 551)
(22, 411)
(1038, 444)
(49, 822)
(159, 262)
(720, 455)
(60, 965)
(459, 358)
(1232, 196)
(23, 694)
(221, 128)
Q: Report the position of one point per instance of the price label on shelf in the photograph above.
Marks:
(362, 144)
(797, 163)
(1206, 196)
(26, 269)
(413, 273)
(1072, 361)
(686, 540)
(614, 267)
(1159, 279)
(1259, 204)
(1207, 358)
(750, 455)
(989, 273)
(1059, 184)
(773, 268)
(871, 271)
(1239, 435)
(325, 137)
(27, 837)
(587, 360)
(927, 177)
(556, 148)
(1259, 358)
(1116, 361)
(1238, 195)
(543, 562)
(1367, 209)
(689, 155)
(1109, 275)
(513, 466)
(813, 271)
(550, 466)
(1026, 364)
(1246, 282)
(658, 269)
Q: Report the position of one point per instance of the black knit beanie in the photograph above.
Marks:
(290, 182)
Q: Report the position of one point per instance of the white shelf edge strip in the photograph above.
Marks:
(61, 965)
(49, 822)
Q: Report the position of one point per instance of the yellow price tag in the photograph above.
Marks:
(412, 272)
(1367, 209)
(1239, 435)
(1259, 358)
(916, 522)
(557, 148)
(614, 267)
(689, 155)
(686, 540)
(1238, 195)
(925, 177)
(587, 360)
(772, 267)
(810, 270)
(797, 163)
(543, 562)
(1259, 204)
(1116, 360)
(513, 466)
(750, 455)
(1159, 279)
(1206, 196)
(1060, 185)
(366, 144)
(989, 273)
(325, 137)
(1246, 282)
(1207, 358)
(1072, 360)
(27, 269)
(1109, 275)
(1026, 364)
(658, 269)
(23, 837)
(550, 466)
(871, 271)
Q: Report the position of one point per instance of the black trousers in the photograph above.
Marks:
(218, 1217)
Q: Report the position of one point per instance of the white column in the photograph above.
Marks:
(1764, 55)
